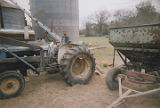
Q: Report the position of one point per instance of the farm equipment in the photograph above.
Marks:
(73, 60)
(139, 49)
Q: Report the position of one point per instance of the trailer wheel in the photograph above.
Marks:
(77, 66)
(111, 80)
(11, 84)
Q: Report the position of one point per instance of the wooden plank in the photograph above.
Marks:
(137, 75)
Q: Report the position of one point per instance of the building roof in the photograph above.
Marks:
(7, 4)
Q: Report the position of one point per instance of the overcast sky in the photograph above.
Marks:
(87, 7)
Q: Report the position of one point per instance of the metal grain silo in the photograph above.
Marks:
(64, 14)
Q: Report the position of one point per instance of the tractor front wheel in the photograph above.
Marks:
(11, 84)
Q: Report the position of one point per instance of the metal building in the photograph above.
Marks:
(57, 14)
(11, 17)
(12, 22)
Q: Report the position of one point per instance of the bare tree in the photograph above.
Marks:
(100, 18)
(88, 28)
(98, 22)
(145, 14)
(123, 17)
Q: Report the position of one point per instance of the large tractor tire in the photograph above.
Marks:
(77, 66)
(111, 78)
(12, 84)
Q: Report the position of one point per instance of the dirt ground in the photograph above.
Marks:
(50, 91)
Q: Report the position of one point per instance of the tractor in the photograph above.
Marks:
(72, 60)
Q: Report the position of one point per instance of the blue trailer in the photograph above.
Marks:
(139, 49)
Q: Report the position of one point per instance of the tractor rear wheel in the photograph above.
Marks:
(77, 66)
(11, 84)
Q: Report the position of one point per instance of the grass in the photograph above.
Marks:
(101, 55)
(104, 54)
(95, 40)
(99, 41)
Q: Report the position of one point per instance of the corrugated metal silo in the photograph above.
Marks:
(63, 13)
